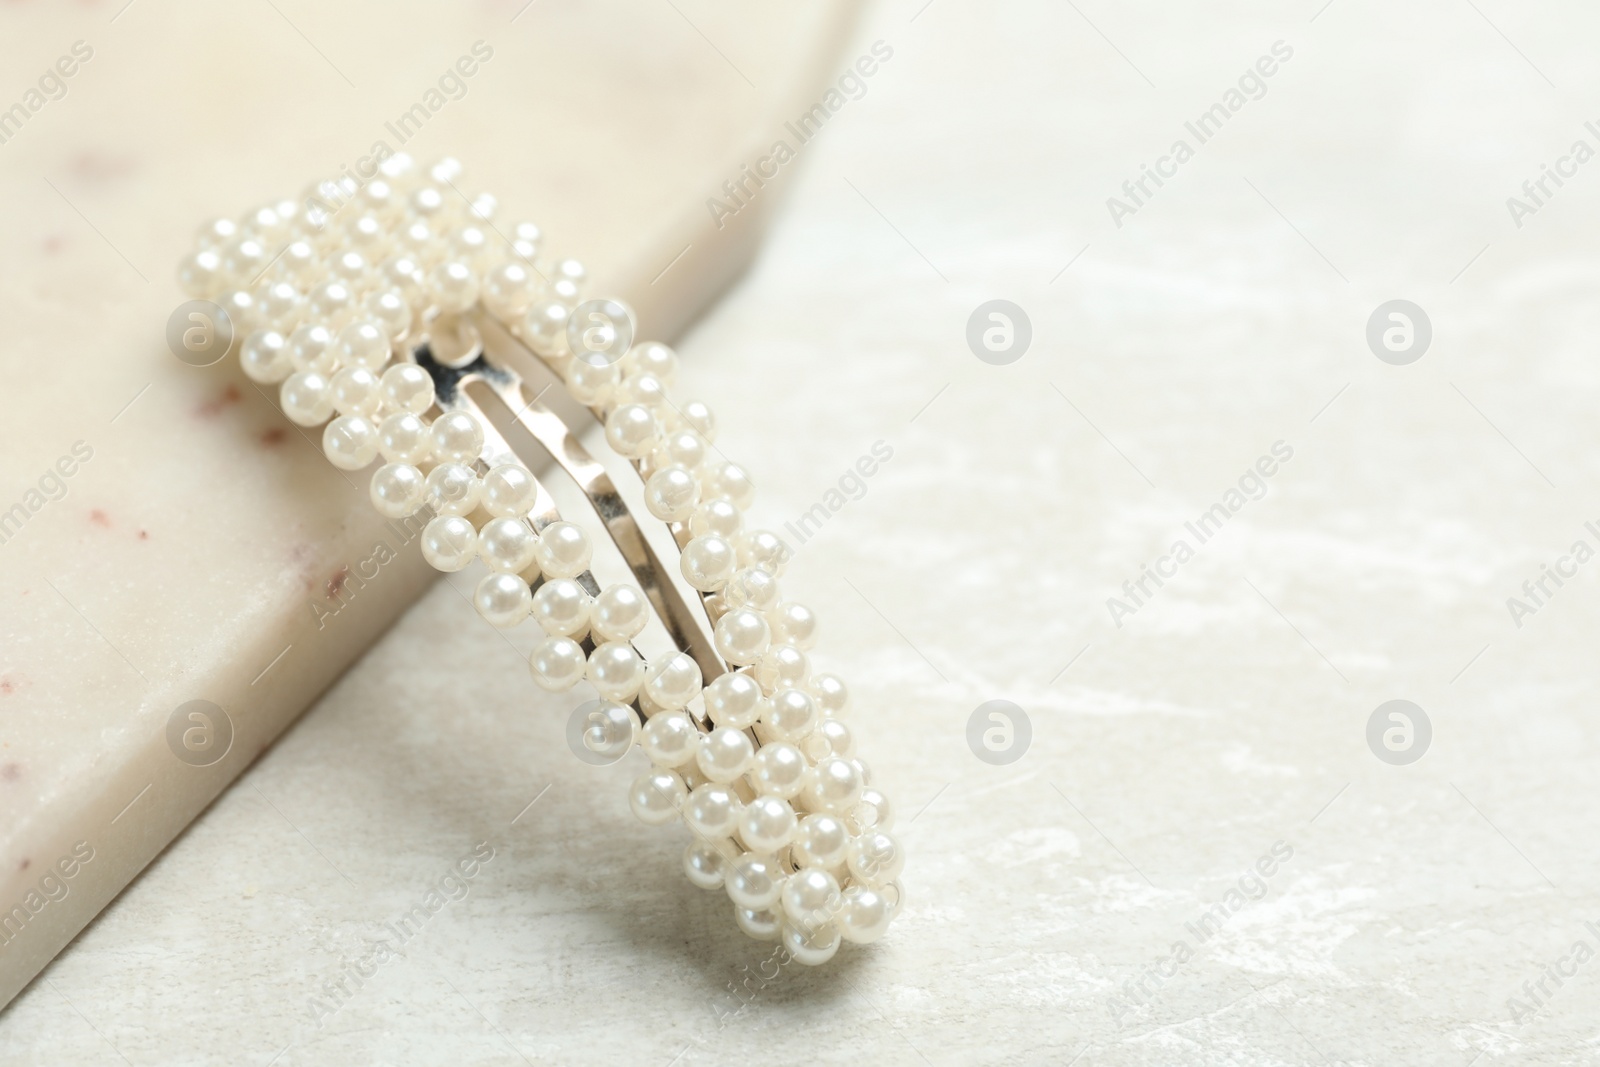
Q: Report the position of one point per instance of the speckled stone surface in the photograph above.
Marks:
(1207, 757)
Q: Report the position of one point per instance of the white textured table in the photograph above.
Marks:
(1225, 717)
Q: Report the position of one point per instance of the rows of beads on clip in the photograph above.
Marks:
(791, 829)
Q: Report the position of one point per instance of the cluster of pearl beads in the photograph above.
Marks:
(324, 291)
(326, 295)
(792, 829)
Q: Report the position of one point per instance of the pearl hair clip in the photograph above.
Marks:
(391, 313)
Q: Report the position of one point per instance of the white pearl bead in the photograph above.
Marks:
(364, 343)
(810, 896)
(762, 924)
(707, 563)
(243, 258)
(783, 667)
(620, 613)
(591, 383)
(792, 716)
(717, 517)
(713, 811)
(241, 310)
(630, 430)
(794, 624)
(763, 549)
(875, 859)
(453, 287)
(200, 275)
(673, 682)
(705, 864)
(752, 588)
(754, 881)
(390, 309)
(453, 489)
(670, 739)
(507, 546)
(398, 167)
(449, 542)
(214, 233)
(544, 327)
(428, 201)
(509, 491)
(671, 493)
(831, 694)
(780, 770)
(264, 357)
(368, 235)
(447, 170)
(378, 196)
(403, 272)
(457, 437)
(811, 946)
(557, 663)
(697, 417)
(560, 606)
(349, 267)
(350, 442)
(742, 637)
(733, 700)
(820, 841)
(616, 670)
(311, 349)
(279, 304)
(563, 550)
(656, 797)
(834, 785)
(424, 248)
(724, 755)
(864, 915)
(527, 233)
(263, 223)
(653, 358)
(509, 290)
(643, 389)
(730, 482)
(503, 599)
(682, 448)
(300, 262)
(307, 398)
(408, 387)
(355, 391)
(873, 812)
(331, 300)
(840, 741)
(469, 245)
(397, 490)
(767, 825)
(403, 438)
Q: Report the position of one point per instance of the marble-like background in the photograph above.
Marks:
(1167, 754)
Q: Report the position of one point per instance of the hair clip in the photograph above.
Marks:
(395, 315)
